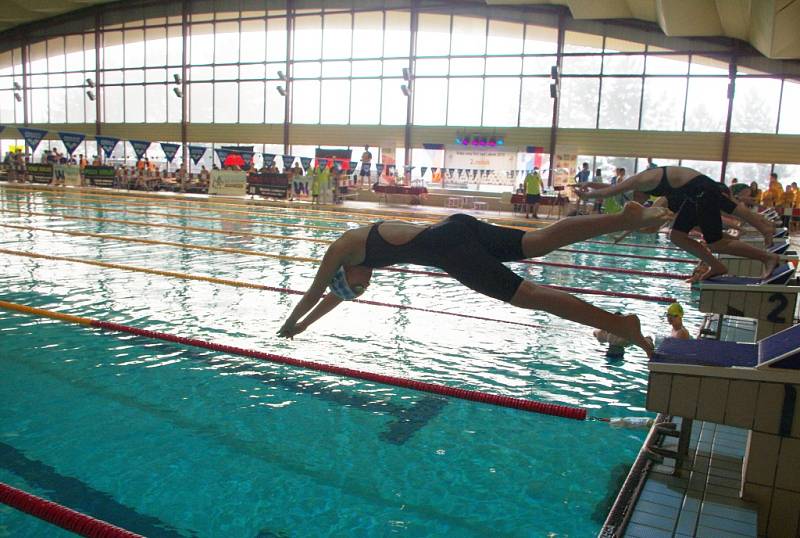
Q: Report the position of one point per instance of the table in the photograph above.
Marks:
(416, 193)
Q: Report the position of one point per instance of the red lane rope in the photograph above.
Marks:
(654, 298)
(660, 247)
(637, 256)
(564, 411)
(609, 269)
(61, 516)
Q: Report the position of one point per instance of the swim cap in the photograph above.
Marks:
(340, 288)
(675, 309)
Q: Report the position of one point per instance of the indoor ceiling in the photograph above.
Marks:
(771, 26)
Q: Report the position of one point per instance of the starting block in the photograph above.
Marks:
(770, 301)
(753, 268)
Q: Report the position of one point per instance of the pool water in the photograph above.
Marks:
(167, 440)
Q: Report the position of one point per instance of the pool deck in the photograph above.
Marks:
(702, 499)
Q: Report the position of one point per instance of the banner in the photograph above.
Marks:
(482, 160)
(139, 147)
(323, 163)
(71, 141)
(67, 174)
(107, 144)
(305, 162)
(99, 176)
(247, 156)
(422, 170)
(32, 136)
(196, 153)
(222, 155)
(170, 150)
(288, 160)
(228, 182)
(40, 173)
(565, 168)
(269, 159)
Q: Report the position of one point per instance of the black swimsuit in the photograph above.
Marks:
(697, 203)
(471, 251)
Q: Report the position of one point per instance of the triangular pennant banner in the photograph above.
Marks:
(247, 156)
(460, 170)
(222, 155)
(71, 141)
(433, 170)
(305, 162)
(288, 160)
(32, 136)
(107, 144)
(139, 147)
(451, 170)
(353, 165)
(269, 159)
(379, 168)
(196, 153)
(323, 163)
(423, 169)
(169, 150)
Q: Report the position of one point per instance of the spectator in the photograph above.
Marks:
(584, 174)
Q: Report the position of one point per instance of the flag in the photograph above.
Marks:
(71, 141)
(170, 150)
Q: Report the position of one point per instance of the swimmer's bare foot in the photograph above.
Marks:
(639, 216)
(715, 270)
(631, 330)
(770, 265)
(769, 235)
(699, 269)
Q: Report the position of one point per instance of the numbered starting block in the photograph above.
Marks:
(772, 302)
(753, 268)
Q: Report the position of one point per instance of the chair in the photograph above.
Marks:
(454, 202)
(480, 206)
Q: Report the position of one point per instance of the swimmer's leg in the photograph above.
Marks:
(695, 248)
(728, 245)
(573, 229)
(567, 306)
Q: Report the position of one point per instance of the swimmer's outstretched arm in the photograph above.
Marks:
(330, 263)
(605, 191)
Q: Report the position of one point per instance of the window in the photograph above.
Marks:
(226, 102)
(337, 36)
(790, 108)
(253, 39)
(755, 105)
(251, 102)
(393, 103)
(308, 37)
(365, 102)
(134, 48)
(748, 172)
(305, 102)
(430, 101)
(710, 168)
(367, 34)
(662, 104)
(707, 104)
(226, 42)
(469, 36)
(578, 104)
(465, 100)
(335, 101)
(619, 106)
(156, 96)
(536, 109)
(501, 102)
(433, 35)
(202, 103)
(134, 104)
(505, 37)
(397, 36)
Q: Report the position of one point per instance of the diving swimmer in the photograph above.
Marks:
(473, 252)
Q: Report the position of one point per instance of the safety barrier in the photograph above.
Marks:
(444, 390)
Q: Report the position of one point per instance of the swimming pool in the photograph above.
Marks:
(168, 440)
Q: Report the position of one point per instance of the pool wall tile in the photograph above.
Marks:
(740, 408)
(768, 407)
(784, 519)
(762, 458)
(762, 497)
(788, 475)
(712, 400)
(683, 396)
(658, 391)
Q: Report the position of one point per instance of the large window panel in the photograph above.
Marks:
(308, 38)
(6, 67)
(397, 37)
(788, 173)
(174, 108)
(790, 108)
(73, 53)
(134, 48)
(343, 69)
(748, 172)
(578, 42)
(393, 103)
(581, 65)
(367, 34)
(134, 104)
(703, 65)
(335, 102)
(75, 105)
(365, 102)
(433, 35)
(540, 39)
(368, 68)
(55, 55)
(307, 70)
(536, 109)
(619, 104)
(662, 105)
(504, 66)
(707, 104)
(505, 38)
(252, 71)
(156, 96)
(58, 105)
(174, 46)
(251, 102)
(37, 59)
(39, 105)
(201, 44)
(155, 47)
(712, 169)
(305, 101)
(467, 66)
(623, 64)
(275, 107)
(113, 104)
(755, 105)
(91, 109)
(430, 101)
(666, 64)
(435, 67)
(578, 104)
(465, 100)
(226, 42)
(226, 102)
(202, 102)
(276, 40)
(394, 68)
(501, 102)
(538, 65)
(253, 38)
(113, 53)
(89, 52)
(337, 36)
(469, 36)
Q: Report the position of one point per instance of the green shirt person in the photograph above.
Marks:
(533, 192)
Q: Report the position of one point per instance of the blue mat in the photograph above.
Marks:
(778, 249)
(779, 344)
(780, 275)
(705, 352)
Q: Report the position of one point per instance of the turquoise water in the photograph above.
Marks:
(173, 441)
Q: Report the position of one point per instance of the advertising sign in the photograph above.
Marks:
(228, 182)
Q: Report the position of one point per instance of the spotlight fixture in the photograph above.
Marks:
(406, 74)
(405, 90)
(177, 78)
(500, 141)
(178, 93)
(281, 91)
(465, 141)
(281, 75)
(553, 91)
(17, 86)
(18, 97)
(90, 95)
(90, 83)
(554, 72)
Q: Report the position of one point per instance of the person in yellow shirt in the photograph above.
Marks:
(533, 193)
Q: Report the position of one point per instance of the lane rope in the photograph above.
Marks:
(230, 250)
(251, 285)
(61, 516)
(533, 406)
(635, 256)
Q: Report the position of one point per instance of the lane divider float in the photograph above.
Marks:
(533, 406)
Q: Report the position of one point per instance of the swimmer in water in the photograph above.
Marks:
(473, 252)
(697, 200)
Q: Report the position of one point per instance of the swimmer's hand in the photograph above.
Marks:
(290, 330)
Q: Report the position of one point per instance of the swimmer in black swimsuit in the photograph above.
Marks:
(473, 252)
(697, 200)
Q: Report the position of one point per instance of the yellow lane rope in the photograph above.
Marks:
(261, 205)
(127, 239)
(44, 313)
(170, 226)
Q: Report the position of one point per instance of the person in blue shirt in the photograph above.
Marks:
(584, 174)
